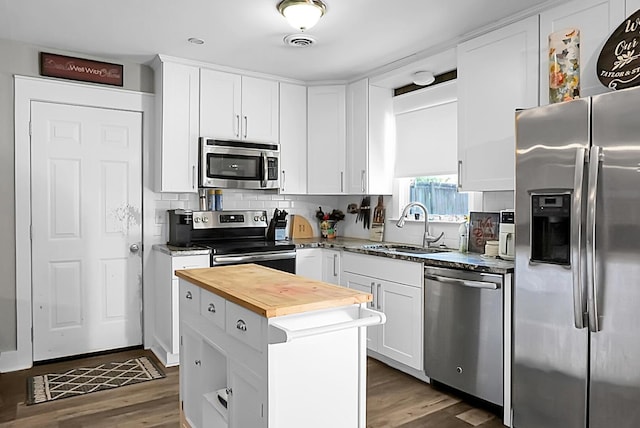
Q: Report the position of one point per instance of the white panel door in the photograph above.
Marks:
(86, 217)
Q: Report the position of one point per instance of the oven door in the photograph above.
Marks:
(280, 260)
(231, 164)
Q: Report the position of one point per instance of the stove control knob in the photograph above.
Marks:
(256, 218)
(205, 219)
(196, 219)
(263, 217)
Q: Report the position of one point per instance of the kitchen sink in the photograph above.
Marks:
(399, 248)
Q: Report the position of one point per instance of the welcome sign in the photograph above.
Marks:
(619, 61)
(84, 70)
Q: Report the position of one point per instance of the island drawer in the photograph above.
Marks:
(245, 325)
(212, 308)
(189, 298)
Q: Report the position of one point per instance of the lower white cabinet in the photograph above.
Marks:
(397, 288)
(309, 263)
(331, 266)
(306, 369)
(166, 333)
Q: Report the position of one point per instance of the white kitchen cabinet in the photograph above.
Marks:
(632, 6)
(177, 95)
(293, 139)
(370, 132)
(369, 139)
(238, 107)
(326, 139)
(166, 323)
(595, 19)
(397, 288)
(309, 263)
(331, 266)
(497, 74)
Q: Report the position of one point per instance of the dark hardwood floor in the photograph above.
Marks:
(394, 400)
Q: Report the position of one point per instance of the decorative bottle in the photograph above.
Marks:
(463, 232)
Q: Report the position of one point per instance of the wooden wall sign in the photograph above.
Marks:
(85, 70)
(619, 61)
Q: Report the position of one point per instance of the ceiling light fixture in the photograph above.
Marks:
(302, 14)
(195, 41)
(423, 78)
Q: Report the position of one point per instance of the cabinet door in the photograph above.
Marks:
(191, 387)
(309, 263)
(179, 127)
(401, 336)
(293, 139)
(357, 136)
(259, 110)
(326, 139)
(381, 141)
(220, 104)
(497, 74)
(331, 266)
(632, 6)
(595, 19)
(246, 406)
(367, 285)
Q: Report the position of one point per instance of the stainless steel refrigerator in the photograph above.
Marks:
(576, 343)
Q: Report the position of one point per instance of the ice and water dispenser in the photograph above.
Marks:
(551, 228)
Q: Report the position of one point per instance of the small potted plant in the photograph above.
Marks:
(328, 222)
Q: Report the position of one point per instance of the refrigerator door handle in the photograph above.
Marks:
(595, 157)
(579, 297)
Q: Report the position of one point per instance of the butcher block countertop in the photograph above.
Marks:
(269, 292)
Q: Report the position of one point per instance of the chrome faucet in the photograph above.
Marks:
(426, 239)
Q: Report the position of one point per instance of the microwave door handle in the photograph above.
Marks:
(265, 170)
(579, 297)
(595, 157)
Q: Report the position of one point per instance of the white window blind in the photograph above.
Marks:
(427, 132)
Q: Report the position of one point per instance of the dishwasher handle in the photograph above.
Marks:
(464, 282)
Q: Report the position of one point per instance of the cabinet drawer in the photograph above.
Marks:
(189, 298)
(244, 325)
(212, 307)
(401, 271)
(188, 262)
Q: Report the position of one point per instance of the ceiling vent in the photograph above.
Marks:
(299, 40)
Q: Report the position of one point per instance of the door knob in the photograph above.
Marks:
(134, 248)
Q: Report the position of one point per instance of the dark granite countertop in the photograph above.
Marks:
(447, 259)
(181, 251)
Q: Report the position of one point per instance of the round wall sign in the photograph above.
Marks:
(619, 61)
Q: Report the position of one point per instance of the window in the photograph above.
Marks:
(439, 194)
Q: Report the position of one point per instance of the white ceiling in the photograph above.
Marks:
(355, 37)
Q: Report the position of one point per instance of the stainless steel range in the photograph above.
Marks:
(238, 237)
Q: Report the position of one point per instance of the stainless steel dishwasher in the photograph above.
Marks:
(463, 328)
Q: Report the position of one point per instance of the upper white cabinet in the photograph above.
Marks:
(293, 139)
(326, 139)
(177, 94)
(238, 107)
(369, 139)
(595, 19)
(497, 74)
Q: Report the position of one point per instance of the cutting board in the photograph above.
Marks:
(300, 227)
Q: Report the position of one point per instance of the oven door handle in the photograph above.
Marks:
(252, 257)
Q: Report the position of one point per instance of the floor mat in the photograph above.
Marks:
(83, 380)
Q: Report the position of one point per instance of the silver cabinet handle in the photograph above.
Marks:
(579, 298)
(283, 178)
(341, 181)
(464, 282)
(335, 262)
(134, 248)
(362, 180)
(193, 176)
(246, 124)
(198, 362)
(237, 126)
(459, 175)
(241, 325)
(189, 295)
(378, 304)
(212, 308)
(595, 158)
(373, 302)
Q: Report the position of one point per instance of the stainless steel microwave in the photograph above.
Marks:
(240, 165)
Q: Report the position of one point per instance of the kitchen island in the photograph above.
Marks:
(264, 348)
